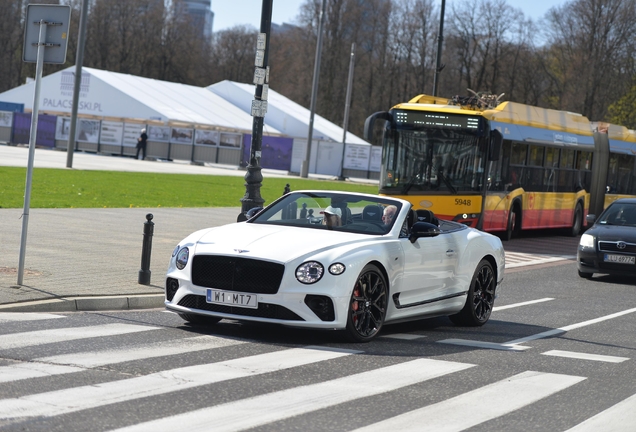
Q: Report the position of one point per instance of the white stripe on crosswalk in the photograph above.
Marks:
(619, 418)
(260, 410)
(25, 339)
(586, 356)
(519, 259)
(27, 370)
(27, 316)
(159, 349)
(76, 362)
(76, 399)
(527, 303)
(464, 411)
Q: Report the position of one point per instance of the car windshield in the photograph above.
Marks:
(362, 214)
(619, 214)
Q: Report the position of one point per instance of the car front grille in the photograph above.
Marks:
(237, 274)
(265, 310)
(606, 246)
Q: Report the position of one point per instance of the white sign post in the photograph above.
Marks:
(39, 19)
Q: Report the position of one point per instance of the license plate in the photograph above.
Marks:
(620, 259)
(231, 298)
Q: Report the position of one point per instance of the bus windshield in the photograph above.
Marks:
(432, 159)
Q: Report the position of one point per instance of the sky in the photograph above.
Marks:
(230, 13)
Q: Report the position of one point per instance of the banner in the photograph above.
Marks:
(88, 130)
(6, 118)
(206, 137)
(181, 135)
(158, 133)
(357, 157)
(111, 132)
(132, 131)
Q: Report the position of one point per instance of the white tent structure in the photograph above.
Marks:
(116, 95)
(292, 119)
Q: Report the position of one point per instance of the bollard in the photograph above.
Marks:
(144, 272)
(287, 189)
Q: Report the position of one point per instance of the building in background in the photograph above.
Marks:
(201, 15)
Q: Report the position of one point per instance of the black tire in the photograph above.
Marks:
(199, 319)
(577, 222)
(585, 275)
(480, 299)
(367, 308)
(511, 227)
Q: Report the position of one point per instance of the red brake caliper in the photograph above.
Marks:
(354, 303)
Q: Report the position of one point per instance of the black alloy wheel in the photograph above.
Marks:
(480, 298)
(367, 308)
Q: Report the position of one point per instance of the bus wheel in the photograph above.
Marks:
(511, 228)
(577, 223)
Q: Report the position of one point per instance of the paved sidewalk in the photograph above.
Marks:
(89, 259)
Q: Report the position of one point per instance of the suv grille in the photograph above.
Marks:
(237, 274)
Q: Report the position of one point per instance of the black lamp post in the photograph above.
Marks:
(254, 177)
(440, 40)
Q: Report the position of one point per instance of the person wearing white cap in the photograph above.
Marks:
(332, 217)
(142, 141)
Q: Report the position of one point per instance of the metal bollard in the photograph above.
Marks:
(144, 272)
(287, 189)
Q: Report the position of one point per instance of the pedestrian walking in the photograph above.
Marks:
(142, 142)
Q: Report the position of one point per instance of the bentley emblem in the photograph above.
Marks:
(621, 245)
(240, 250)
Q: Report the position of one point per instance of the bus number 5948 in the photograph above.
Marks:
(464, 202)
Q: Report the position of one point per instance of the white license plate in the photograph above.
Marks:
(231, 298)
(620, 259)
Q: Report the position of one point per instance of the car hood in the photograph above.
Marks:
(614, 233)
(272, 242)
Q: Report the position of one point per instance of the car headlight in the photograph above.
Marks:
(309, 272)
(182, 258)
(587, 240)
(337, 268)
(176, 249)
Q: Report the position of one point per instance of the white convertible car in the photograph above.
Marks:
(330, 260)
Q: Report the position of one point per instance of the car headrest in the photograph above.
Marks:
(424, 215)
(372, 212)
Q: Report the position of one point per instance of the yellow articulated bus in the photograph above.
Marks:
(498, 166)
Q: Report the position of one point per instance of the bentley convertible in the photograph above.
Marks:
(336, 260)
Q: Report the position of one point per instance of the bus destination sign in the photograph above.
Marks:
(418, 119)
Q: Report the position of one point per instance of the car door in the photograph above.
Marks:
(429, 270)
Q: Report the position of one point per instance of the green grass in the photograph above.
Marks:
(61, 188)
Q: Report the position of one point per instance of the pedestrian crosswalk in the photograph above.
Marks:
(168, 367)
(521, 259)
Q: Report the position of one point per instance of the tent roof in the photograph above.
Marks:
(283, 114)
(112, 94)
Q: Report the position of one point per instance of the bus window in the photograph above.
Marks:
(551, 157)
(535, 156)
(625, 164)
(518, 155)
(567, 158)
(584, 165)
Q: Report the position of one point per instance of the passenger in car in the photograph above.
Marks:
(332, 217)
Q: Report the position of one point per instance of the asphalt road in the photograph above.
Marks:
(557, 351)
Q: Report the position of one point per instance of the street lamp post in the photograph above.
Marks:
(254, 177)
(440, 39)
(304, 168)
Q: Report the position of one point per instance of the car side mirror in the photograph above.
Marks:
(590, 218)
(423, 229)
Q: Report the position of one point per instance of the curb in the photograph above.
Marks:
(86, 304)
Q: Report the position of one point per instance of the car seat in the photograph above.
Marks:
(424, 215)
(372, 212)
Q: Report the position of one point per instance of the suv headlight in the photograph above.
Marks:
(309, 272)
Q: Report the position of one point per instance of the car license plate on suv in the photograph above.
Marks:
(230, 298)
(619, 259)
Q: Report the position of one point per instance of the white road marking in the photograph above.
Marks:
(403, 336)
(487, 345)
(515, 343)
(463, 412)
(27, 316)
(40, 337)
(585, 356)
(260, 410)
(570, 327)
(619, 418)
(520, 259)
(92, 396)
(77, 362)
(527, 303)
